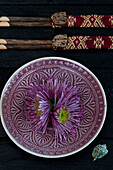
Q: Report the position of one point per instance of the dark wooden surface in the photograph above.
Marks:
(99, 62)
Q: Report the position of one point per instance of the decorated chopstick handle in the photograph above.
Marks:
(61, 19)
(62, 42)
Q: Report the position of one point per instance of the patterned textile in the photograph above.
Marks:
(88, 42)
(87, 21)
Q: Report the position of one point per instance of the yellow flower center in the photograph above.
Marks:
(38, 112)
(63, 115)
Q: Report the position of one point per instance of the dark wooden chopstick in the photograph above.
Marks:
(25, 24)
(24, 19)
(59, 19)
(60, 42)
(26, 47)
(25, 44)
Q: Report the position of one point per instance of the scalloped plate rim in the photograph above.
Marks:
(48, 156)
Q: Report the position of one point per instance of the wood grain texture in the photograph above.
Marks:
(24, 46)
(25, 42)
(25, 19)
(30, 24)
(47, 11)
(54, 2)
(28, 19)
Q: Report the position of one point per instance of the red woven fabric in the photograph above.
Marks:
(88, 21)
(89, 42)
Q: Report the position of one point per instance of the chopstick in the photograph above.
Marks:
(24, 19)
(25, 22)
(25, 44)
(24, 47)
(60, 42)
(59, 19)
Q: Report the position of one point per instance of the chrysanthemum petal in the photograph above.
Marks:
(66, 109)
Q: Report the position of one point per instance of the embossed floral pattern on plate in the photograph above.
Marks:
(19, 129)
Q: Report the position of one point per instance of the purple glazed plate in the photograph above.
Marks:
(19, 129)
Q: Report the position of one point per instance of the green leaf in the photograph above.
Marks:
(99, 151)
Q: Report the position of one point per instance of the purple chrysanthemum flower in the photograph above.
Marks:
(56, 102)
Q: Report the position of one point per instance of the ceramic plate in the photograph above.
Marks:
(19, 129)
